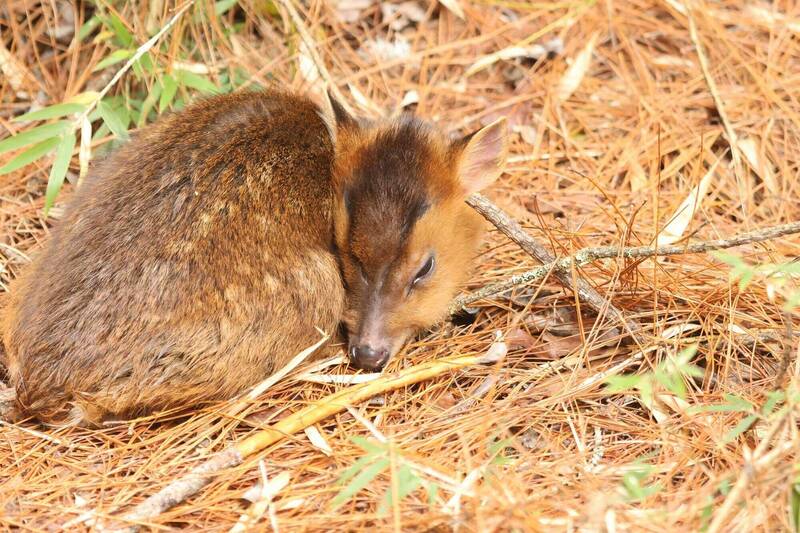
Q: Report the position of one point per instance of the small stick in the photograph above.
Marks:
(511, 228)
(200, 476)
(588, 255)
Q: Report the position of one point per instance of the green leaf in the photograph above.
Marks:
(740, 428)
(149, 103)
(496, 449)
(115, 24)
(431, 488)
(792, 301)
(407, 482)
(673, 383)
(59, 170)
(114, 119)
(622, 383)
(167, 93)
(773, 397)
(34, 135)
(53, 111)
(355, 468)
(223, 6)
(733, 404)
(199, 83)
(794, 507)
(730, 259)
(29, 156)
(113, 58)
(369, 446)
(645, 388)
(88, 27)
(360, 481)
(705, 514)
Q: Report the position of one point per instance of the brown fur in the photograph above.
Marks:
(401, 188)
(191, 264)
(203, 254)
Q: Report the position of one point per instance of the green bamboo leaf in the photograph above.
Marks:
(53, 111)
(149, 103)
(29, 156)
(199, 83)
(167, 93)
(59, 170)
(113, 58)
(622, 383)
(33, 135)
(740, 428)
(407, 482)
(368, 445)
(794, 507)
(360, 481)
(88, 27)
(223, 6)
(115, 24)
(355, 468)
(114, 119)
(431, 488)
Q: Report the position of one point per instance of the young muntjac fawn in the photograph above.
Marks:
(203, 254)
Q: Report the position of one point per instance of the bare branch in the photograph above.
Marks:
(511, 228)
(588, 255)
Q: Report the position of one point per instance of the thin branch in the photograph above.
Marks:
(511, 228)
(588, 255)
(133, 59)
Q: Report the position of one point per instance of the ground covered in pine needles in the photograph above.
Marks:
(633, 123)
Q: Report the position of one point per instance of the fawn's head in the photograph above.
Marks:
(404, 234)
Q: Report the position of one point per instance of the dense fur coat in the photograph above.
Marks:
(211, 248)
(192, 263)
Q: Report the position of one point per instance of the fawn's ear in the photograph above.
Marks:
(481, 156)
(335, 116)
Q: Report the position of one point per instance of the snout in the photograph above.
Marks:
(367, 357)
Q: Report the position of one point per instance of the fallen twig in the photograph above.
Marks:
(200, 476)
(588, 255)
(511, 228)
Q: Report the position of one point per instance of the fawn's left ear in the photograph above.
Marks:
(335, 116)
(481, 156)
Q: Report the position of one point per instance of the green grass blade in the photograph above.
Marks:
(740, 428)
(53, 111)
(199, 83)
(223, 6)
(59, 170)
(34, 135)
(113, 58)
(114, 120)
(167, 93)
(29, 156)
(360, 481)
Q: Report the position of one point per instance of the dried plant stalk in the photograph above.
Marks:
(180, 489)
(511, 228)
(587, 255)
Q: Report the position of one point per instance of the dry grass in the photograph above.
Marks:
(607, 165)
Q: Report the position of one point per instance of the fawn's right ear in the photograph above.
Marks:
(335, 116)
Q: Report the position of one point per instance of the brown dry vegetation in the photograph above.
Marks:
(607, 165)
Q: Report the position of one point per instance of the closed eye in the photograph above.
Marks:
(424, 272)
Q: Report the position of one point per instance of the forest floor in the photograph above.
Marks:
(633, 123)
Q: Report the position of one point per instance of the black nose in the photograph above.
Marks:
(367, 358)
